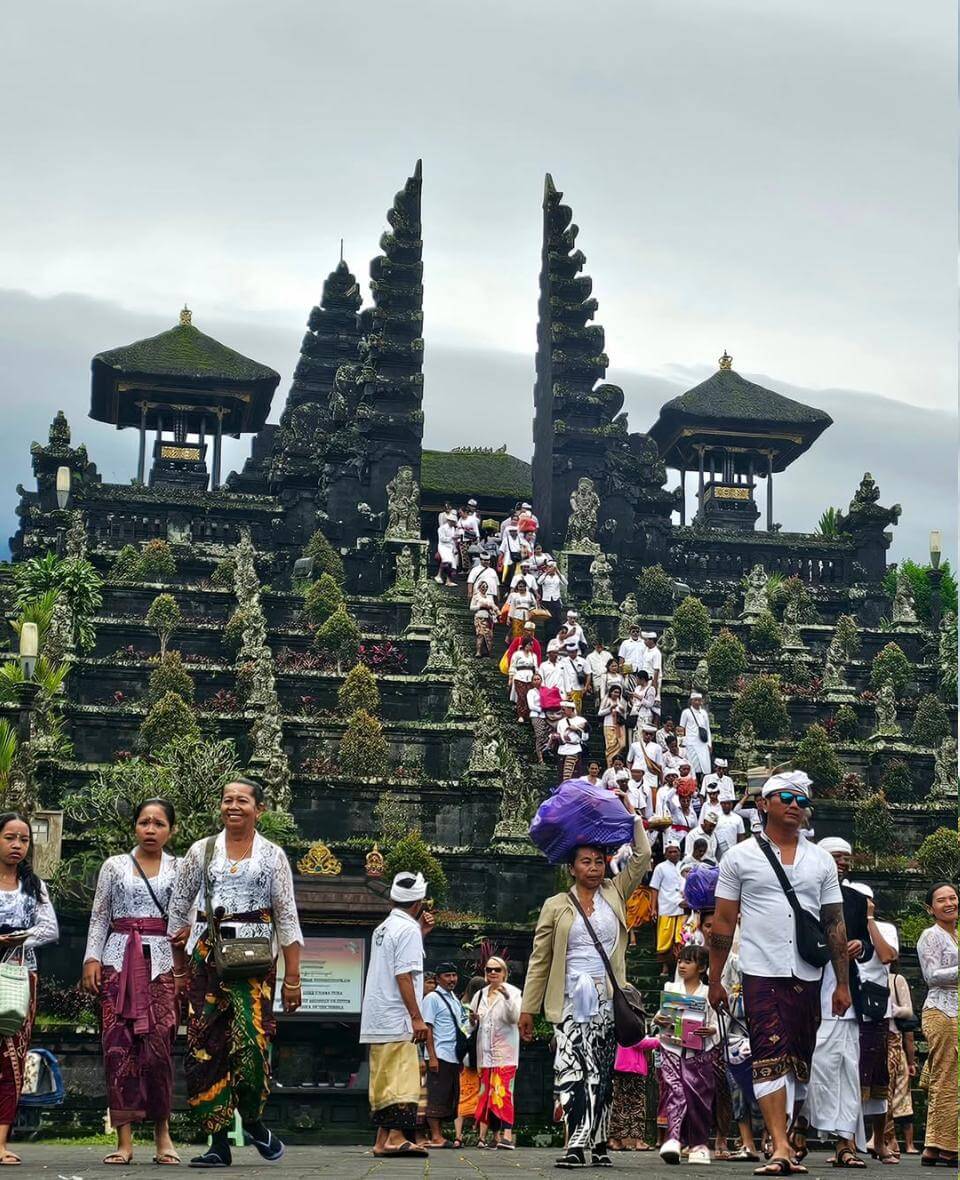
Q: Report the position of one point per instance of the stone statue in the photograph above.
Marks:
(582, 522)
(945, 769)
(746, 739)
(755, 599)
(947, 651)
(886, 706)
(601, 580)
(904, 612)
(463, 698)
(423, 609)
(403, 506)
(405, 578)
(485, 752)
(701, 677)
(629, 615)
(834, 678)
(791, 625)
(668, 649)
(441, 644)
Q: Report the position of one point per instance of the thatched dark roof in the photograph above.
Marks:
(480, 473)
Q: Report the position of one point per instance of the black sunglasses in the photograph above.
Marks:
(788, 797)
(487, 970)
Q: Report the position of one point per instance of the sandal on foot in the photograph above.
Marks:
(116, 1159)
(574, 1157)
(743, 1156)
(778, 1166)
(405, 1148)
(845, 1158)
(167, 1159)
(212, 1159)
(504, 1145)
(271, 1148)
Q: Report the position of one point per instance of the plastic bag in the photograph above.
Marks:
(579, 812)
(700, 887)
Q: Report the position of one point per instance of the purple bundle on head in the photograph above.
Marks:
(700, 888)
(579, 812)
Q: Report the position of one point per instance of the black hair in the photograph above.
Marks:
(29, 882)
(689, 953)
(256, 788)
(164, 804)
(643, 674)
(593, 847)
(930, 892)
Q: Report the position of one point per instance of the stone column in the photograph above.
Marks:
(142, 453)
(700, 482)
(683, 495)
(217, 440)
(769, 491)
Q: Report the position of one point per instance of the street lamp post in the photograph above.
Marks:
(936, 577)
(28, 688)
(63, 499)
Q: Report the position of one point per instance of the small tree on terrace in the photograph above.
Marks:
(726, 659)
(322, 599)
(761, 703)
(164, 616)
(819, 759)
(691, 625)
(890, 666)
(339, 638)
(874, 826)
(359, 691)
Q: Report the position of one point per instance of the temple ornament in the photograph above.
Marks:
(319, 861)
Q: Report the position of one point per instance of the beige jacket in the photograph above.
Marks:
(546, 970)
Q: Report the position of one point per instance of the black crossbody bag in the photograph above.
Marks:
(811, 939)
(463, 1039)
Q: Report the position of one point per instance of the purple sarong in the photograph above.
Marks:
(687, 1083)
(874, 1068)
(783, 1015)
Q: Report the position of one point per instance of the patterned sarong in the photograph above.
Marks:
(583, 1075)
(139, 1069)
(495, 1104)
(783, 1015)
(13, 1055)
(874, 1071)
(940, 1033)
(394, 1090)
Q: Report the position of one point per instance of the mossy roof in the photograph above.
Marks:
(727, 395)
(186, 352)
(475, 473)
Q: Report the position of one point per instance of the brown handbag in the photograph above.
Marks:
(629, 1017)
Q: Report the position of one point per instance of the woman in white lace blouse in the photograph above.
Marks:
(27, 921)
(129, 964)
(937, 952)
(227, 1062)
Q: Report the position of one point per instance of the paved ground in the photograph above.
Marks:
(355, 1163)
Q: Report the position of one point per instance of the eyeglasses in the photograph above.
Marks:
(492, 970)
(788, 797)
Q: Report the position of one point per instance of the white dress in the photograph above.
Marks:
(19, 911)
(121, 893)
(696, 751)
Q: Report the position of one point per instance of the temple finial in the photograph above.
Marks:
(726, 361)
(341, 249)
(186, 316)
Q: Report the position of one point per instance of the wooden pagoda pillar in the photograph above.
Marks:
(769, 491)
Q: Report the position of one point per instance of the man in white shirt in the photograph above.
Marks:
(597, 661)
(631, 649)
(646, 755)
(705, 830)
(729, 825)
(667, 886)
(781, 990)
(391, 1022)
(652, 659)
(724, 781)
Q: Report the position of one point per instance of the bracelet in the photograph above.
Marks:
(180, 974)
(291, 986)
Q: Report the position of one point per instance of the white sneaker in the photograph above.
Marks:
(670, 1152)
(699, 1155)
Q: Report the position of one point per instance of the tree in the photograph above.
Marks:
(939, 855)
(359, 691)
(930, 722)
(223, 574)
(655, 591)
(393, 814)
(170, 676)
(761, 703)
(232, 637)
(322, 599)
(74, 578)
(919, 575)
(873, 825)
(726, 659)
(364, 751)
(691, 625)
(339, 638)
(846, 722)
(890, 666)
(326, 559)
(411, 855)
(766, 637)
(156, 562)
(829, 523)
(819, 759)
(896, 782)
(848, 636)
(164, 616)
(126, 565)
(170, 718)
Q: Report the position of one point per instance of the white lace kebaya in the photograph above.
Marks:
(19, 911)
(121, 893)
(261, 882)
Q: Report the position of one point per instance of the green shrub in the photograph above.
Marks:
(654, 591)
(321, 600)
(919, 577)
(364, 752)
(71, 578)
(279, 827)
(170, 718)
(359, 691)
(170, 676)
(848, 636)
(339, 638)
(233, 632)
(896, 782)
(411, 855)
(691, 625)
(890, 666)
(939, 856)
(223, 574)
(730, 607)
(780, 592)
(766, 636)
(326, 560)
(394, 815)
(761, 703)
(164, 616)
(846, 722)
(126, 565)
(819, 759)
(911, 925)
(930, 723)
(726, 659)
(156, 563)
(873, 825)
(852, 787)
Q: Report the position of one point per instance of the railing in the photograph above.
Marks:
(812, 559)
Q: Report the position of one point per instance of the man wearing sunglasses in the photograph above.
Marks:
(781, 989)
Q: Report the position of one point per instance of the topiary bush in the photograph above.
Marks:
(691, 625)
(339, 638)
(896, 782)
(164, 616)
(819, 759)
(780, 592)
(359, 691)
(890, 666)
(726, 659)
(761, 703)
(232, 637)
(654, 591)
(326, 560)
(873, 825)
(156, 563)
(364, 752)
(171, 717)
(852, 787)
(321, 600)
(848, 636)
(170, 676)
(846, 722)
(939, 856)
(126, 565)
(223, 574)
(766, 635)
(930, 723)
(411, 855)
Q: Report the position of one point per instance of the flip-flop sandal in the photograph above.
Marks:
(116, 1159)
(847, 1159)
(744, 1156)
(10, 1159)
(406, 1148)
(167, 1159)
(778, 1166)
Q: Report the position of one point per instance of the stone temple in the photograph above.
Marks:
(341, 485)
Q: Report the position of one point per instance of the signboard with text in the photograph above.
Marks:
(331, 972)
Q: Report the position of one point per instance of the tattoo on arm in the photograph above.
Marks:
(835, 930)
(721, 942)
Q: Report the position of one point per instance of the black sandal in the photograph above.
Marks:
(847, 1158)
(574, 1157)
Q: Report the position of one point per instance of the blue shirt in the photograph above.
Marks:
(443, 1010)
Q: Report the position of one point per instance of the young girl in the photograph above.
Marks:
(687, 1074)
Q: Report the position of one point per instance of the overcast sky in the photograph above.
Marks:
(773, 179)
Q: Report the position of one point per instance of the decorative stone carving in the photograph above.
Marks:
(835, 685)
(484, 753)
(904, 612)
(947, 652)
(792, 638)
(755, 598)
(442, 650)
(319, 861)
(629, 615)
(945, 769)
(886, 707)
(582, 521)
(701, 677)
(375, 863)
(668, 649)
(601, 580)
(463, 698)
(403, 506)
(423, 609)
(405, 577)
(746, 740)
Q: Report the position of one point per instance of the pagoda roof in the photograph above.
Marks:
(475, 472)
(174, 364)
(729, 410)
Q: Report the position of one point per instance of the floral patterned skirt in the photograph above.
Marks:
(495, 1104)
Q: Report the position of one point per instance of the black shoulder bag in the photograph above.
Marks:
(463, 1039)
(629, 1017)
(811, 939)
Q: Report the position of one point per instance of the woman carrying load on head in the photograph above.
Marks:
(245, 884)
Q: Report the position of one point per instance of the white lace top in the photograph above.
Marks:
(19, 911)
(121, 893)
(261, 882)
(937, 953)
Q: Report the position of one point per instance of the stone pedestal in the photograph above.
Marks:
(575, 566)
(399, 581)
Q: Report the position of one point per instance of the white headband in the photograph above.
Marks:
(834, 844)
(791, 780)
(407, 888)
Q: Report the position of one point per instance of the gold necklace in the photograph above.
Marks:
(234, 865)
